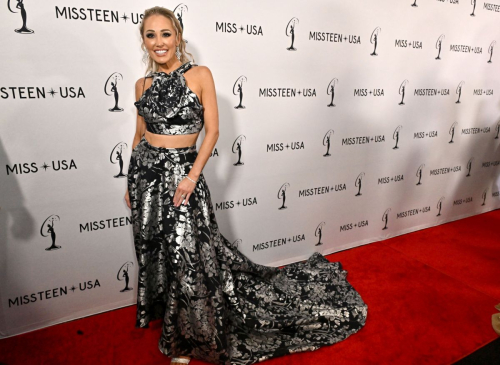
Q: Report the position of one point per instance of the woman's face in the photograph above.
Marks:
(160, 39)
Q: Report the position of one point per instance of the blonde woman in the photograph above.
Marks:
(216, 304)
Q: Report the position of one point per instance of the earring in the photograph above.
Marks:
(178, 53)
(145, 57)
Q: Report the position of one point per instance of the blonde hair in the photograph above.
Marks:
(159, 10)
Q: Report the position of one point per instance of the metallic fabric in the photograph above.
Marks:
(169, 106)
(216, 304)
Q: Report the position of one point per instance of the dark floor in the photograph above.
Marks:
(487, 355)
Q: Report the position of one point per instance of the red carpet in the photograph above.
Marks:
(430, 297)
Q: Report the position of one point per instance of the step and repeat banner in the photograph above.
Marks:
(341, 123)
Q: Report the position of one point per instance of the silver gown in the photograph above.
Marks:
(216, 304)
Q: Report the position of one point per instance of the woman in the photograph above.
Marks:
(216, 304)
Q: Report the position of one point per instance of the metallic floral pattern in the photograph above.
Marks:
(169, 106)
(216, 304)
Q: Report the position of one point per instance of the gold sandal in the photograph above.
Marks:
(495, 320)
(180, 360)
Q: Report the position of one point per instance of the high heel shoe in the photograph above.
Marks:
(180, 360)
(495, 320)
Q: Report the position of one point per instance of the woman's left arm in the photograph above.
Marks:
(211, 119)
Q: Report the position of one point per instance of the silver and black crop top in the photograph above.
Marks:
(169, 106)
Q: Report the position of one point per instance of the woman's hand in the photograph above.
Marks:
(185, 188)
(127, 199)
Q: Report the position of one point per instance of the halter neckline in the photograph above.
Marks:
(179, 69)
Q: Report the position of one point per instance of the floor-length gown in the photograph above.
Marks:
(216, 304)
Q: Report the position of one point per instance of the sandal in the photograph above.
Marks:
(180, 360)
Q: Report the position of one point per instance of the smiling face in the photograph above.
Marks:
(160, 39)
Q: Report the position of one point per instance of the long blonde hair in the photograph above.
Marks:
(158, 10)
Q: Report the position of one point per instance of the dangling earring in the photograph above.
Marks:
(178, 53)
(145, 57)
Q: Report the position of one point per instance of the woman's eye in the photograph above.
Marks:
(166, 34)
(149, 35)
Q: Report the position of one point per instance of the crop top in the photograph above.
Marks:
(169, 106)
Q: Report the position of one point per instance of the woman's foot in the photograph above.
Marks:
(180, 360)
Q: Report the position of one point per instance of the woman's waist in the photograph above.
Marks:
(171, 141)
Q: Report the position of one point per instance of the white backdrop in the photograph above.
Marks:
(370, 75)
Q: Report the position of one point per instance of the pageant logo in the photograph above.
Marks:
(473, 2)
(439, 44)
(395, 136)
(233, 28)
(385, 218)
(238, 90)
(281, 146)
(444, 170)
(327, 141)
(179, 13)
(462, 201)
(402, 89)
(481, 92)
(39, 92)
(334, 37)
(290, 32)
(48, 228)
(358, 181)
(32, 167)
(22, 10)
(488, 6)
(390, 179)
(230, 204)
(237, 148)
(439, 206)
(282, 241)
(419, 174)
(403, 43)
(431, 92)
(92, 14)
(452, 131)
(349, 141)
(484, 195)
(116, 156)
(491, 163)
(459, 91)
(318, 232)
(429, 134)
(475, 130)
(330, 90)
(490, 50)
(124, 275)
(111, 88)
(353, 225)
(374, 40)
(412, 212)
(469, 166)
(52, 293)
(107, 223)
(235, 244)
(319, 190)
(282, 195)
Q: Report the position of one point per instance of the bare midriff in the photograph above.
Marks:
(174, 141)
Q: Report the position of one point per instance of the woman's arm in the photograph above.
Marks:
(141, 124)
(211, 118)
(140, 128)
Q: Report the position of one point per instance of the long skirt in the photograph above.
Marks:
(217, 305)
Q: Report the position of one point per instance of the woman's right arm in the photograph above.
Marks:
(140, 126)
